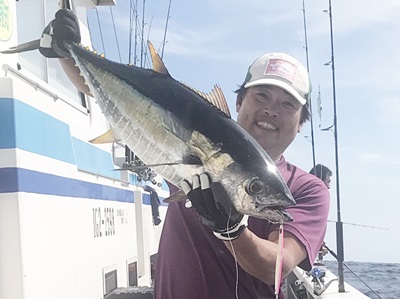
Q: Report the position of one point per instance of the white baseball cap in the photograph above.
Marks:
(281, 70)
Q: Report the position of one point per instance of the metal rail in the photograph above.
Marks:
(37, 86)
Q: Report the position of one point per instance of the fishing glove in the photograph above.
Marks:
(217, 213)
(64, 28)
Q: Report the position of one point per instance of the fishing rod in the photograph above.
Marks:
(308, 70)
(142, 35)
(115, 34)
(348, 268)
(339, 224)
(165, 29)
(133, 17)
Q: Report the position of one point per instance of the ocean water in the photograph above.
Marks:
(376, 280)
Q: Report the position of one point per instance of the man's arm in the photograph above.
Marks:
(257, 256)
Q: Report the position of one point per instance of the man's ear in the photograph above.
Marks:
(239, 101)
(238, 106)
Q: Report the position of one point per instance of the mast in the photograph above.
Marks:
(339, 224)
(308, 70)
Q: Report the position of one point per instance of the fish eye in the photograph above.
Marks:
(255, 187)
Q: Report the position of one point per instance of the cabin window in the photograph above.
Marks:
(153, 259)
(32, 17)
(110, 281)
(132, 274)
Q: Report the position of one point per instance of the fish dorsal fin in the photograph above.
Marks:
(158, 64)
(215, 97)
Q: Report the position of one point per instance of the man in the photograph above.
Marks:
(197, 261)
(323, 173)
(193, 263)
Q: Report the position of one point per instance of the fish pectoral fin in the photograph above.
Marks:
(177, 196)
(158, 64)
(191, 159)
(216, 97)
(107, 137)
(28, 46)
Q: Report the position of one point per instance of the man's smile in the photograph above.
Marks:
(266, 125)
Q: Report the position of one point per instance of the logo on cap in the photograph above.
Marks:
(281, 68)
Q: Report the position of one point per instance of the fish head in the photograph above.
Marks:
(262, 194)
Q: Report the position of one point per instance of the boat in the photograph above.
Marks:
(319, 283)
(71, 226)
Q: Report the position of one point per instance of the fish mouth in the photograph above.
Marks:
(274, 214)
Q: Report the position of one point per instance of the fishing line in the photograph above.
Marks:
(234, 257)
(279, 261)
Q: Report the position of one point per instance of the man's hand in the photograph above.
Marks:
(64, 28)
(217, 212)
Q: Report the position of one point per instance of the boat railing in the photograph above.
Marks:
(37, 86)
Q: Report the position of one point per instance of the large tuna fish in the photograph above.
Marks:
(179, 132)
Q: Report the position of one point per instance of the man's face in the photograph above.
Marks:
(271, 116)
(327, 182)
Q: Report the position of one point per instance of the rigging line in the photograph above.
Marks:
(90, 31)
(362, 225)
(101, 33)
(348, 268)
(344, 264)
(115, 33)
(165, 29)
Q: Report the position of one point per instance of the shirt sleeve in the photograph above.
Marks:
(310, 215)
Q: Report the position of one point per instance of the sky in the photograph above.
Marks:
(213, 42)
